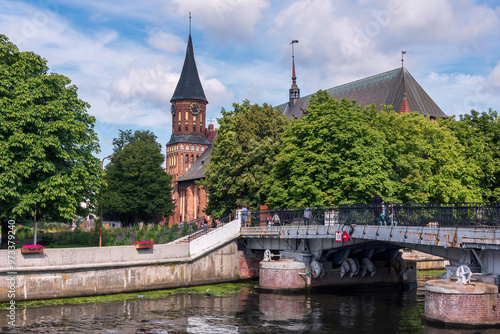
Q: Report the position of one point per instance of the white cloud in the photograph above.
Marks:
(459, 93)
(126, 57)
(226, 19)
(165, 41)
(495, 77)
(149, 84)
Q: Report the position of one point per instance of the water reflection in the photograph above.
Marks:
(368, 310)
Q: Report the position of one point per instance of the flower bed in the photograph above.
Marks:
(143, 244)
(32, 249)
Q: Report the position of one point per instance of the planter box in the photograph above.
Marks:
(144, 246)
(31, 251)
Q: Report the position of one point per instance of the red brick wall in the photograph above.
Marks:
(249, 265)
(186, 118)
(193, 208)
(462, 308)
(282, 279)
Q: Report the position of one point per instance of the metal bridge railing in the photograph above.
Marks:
(405, 214)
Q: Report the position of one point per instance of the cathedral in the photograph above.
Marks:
(190, 142)
(189, 147)
(396, 88)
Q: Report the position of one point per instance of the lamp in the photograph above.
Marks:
(100, 221)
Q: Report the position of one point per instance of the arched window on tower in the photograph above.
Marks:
(194, 128)
(186, 127)
(192, 158)
(187, 158)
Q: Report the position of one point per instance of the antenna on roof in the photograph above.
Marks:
(189, 23)
(402, 58)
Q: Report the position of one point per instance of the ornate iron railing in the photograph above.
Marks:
(406, 214)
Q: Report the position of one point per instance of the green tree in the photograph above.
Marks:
(139, 189)
(479, 133)
(47, 142)
(340, 153)
(247, 142)
(427, 162)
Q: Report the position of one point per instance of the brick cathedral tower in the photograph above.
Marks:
(189, 135)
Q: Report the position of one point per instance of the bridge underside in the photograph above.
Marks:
(478, 248)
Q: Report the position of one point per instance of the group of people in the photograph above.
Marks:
(204, 223)
(381, 212)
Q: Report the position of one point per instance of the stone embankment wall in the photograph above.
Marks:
(71, 272)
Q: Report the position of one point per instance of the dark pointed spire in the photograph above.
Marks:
(189, 85)
(294, 90)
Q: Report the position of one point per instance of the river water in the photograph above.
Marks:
(247, 310)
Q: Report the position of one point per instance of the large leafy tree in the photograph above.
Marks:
(248, 139)
(479, 133)
(138, 187)
(47, 142)
(340, 153)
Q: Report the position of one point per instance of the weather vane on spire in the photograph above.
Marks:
(293, 61)
(189, 23)
(294, 90)
(402, 59)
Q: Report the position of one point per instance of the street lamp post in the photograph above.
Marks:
(100, 221)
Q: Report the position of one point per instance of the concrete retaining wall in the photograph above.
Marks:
(60, 273)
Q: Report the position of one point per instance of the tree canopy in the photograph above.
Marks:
(47, 142)
(247, 142)
(340, 153)
(138, 187)
(479, 133)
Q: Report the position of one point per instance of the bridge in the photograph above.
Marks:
(462, 233)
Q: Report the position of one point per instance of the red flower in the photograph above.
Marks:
(33, 246)
(147, 242)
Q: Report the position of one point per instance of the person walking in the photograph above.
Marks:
(382, 216)
(276, 219)
(307, 215)
(244, 212)
(377, 206)
(392, 213)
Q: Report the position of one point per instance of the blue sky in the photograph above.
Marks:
(126, 56)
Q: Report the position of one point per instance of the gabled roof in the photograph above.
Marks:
(189, 85)
(197, 170)
(386, 88)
